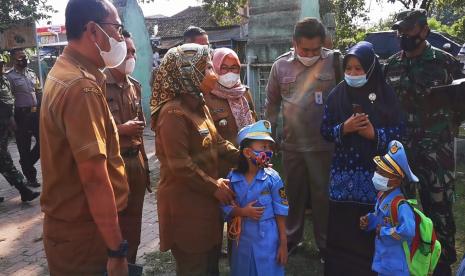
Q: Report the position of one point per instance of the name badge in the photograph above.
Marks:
(319, 97)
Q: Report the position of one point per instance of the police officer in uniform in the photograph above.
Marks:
(124, 100)
(7, 123)
(25, 87)
(430, 135)
(301, 80)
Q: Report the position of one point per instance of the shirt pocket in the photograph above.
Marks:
(286, 86)
(265, 199)
(20, 84)
(326, 83)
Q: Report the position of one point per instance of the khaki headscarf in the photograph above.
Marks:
(181, 72)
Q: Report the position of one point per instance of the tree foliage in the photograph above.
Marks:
(349, 16)
(225, 12)
(13, 12)
(411, 4)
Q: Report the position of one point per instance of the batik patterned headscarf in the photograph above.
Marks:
(181, 72)
(235, 95)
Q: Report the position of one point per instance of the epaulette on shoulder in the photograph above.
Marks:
(173, 107)
(133, 80)
(284, 55)
(86, 74)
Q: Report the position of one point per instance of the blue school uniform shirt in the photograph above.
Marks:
(259, 240)
(389, 258)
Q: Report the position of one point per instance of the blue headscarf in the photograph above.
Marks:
(365, 53)
(386, 101)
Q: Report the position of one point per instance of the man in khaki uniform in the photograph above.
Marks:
(123, 95)
(301, 80)
(84, 183)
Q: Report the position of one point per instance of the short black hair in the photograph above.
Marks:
(127, 34)
(309, 27)
(192, 32)
(15, 50)
(80, 12)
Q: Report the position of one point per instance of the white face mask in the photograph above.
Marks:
(229, 80)
(117, 52)
(127, 66)
(307, 61)
(380, 182)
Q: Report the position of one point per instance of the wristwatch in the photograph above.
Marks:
(121, 252)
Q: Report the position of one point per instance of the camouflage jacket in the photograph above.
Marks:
(412, 80)
(6, 98)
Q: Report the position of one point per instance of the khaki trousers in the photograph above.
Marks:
(307, 179)
(130, 219)
(74, 248)
(197, 264)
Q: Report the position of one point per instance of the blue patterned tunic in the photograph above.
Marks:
(352, 167)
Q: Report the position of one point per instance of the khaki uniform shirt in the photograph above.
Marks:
(188, 147)
(75, 126)
(302, 92)
(124, 101)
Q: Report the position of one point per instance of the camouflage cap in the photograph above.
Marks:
(407, 19)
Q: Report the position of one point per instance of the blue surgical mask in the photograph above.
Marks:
(356, 81)
(262, 158)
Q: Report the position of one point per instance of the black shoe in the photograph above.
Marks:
(33, 184)
(2, 198)
(29, 195)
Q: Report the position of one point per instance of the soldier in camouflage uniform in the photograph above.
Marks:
(429, 133)
(7, 168)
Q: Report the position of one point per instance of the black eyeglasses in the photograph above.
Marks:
(119, 28)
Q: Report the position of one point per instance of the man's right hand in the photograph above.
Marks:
(224, 194)
(132, 128)
(117, 267)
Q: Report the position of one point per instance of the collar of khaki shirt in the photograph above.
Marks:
(324, 54)
(111, 80)
(85, 64)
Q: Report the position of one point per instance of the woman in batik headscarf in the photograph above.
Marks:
(230, 102)
(188, 147)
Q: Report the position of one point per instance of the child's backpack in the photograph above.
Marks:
(424, 253)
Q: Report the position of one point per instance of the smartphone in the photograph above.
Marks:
(357, 109)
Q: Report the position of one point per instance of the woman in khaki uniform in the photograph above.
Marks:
(230, 102)
(188, 147)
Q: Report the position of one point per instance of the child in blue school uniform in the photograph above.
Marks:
(392, 168)
(260, 209)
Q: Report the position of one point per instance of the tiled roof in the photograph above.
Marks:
(175, 25)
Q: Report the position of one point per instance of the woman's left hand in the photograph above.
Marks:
(368, 132)
(281, 258)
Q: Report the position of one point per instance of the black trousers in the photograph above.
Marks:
(27, 124)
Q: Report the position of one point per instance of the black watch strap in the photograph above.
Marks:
(121, 252)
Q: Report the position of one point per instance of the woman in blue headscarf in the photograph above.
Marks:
(361, 117)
